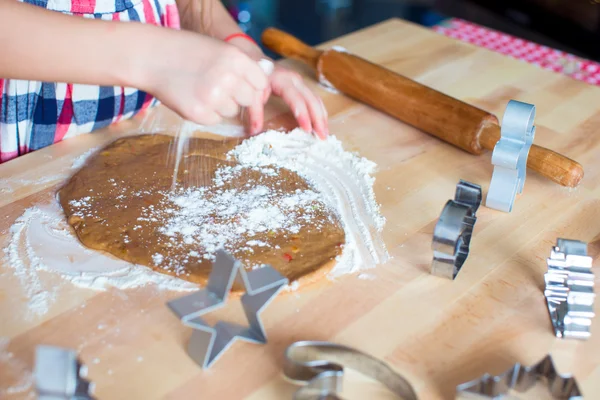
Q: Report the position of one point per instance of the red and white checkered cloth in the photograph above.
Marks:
(543, 56)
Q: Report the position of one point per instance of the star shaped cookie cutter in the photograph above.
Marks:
(570, 289)
(510, 155)
(208, 343)
(522, 378)
(320, 367)
(453, 231)
(60, 376)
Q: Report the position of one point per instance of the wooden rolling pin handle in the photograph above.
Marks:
(288, 46)
(433, 112)
(556, 167)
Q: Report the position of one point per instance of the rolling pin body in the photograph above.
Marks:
(439, 115)
(433, 112)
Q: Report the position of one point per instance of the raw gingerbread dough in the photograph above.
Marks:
(120, 183)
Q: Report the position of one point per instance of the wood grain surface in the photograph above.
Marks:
(446, 117)
(435, 332)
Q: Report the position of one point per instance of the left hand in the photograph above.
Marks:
(307, 107)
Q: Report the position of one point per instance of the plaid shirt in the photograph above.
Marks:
(34, 115)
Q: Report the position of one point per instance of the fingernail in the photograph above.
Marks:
(321, 133)
(319, 130)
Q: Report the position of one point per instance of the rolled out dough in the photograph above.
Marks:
(106, 203)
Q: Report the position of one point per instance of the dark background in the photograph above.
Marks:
(569, 25)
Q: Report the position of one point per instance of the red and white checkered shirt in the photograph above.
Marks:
(34, 115)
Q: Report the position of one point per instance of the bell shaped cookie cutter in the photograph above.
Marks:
(570, 289)
(59, 375)
(453, 231)
(510, 155)
(522, 378)
(208, 343)
(319, 366)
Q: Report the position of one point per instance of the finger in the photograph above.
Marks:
(266, 95)
(326, 114)
(315, 107)
(203, 116)
(292, 97)
(227, 108)
(253, 74)
(244, 94)
(295, 101)
(256, 115)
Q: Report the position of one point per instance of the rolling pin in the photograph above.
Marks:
(456, 122)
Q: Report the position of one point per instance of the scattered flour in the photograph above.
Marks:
(340, 49)
(11, 185)
(343, 180)
(42, 241)
(154, 123)
(17, 372)
(227, 130)
(366, 277)
(79, 161)
(186, 131)
(217, 216)
(292, 287)
(324, 82)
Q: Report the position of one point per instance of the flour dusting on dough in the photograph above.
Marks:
(214, 218)
(42, 242)
(42, 239)
(344, 180)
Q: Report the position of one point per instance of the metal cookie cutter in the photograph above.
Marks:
(570, 289)
(453, 231)
(209, 342)
(320, 366)
(510, 155)
(60, 376)
(522, 378)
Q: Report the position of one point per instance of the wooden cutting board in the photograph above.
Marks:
(435, 332)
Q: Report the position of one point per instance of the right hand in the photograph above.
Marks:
(200, 78)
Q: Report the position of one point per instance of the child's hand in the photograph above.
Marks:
(308, 108)
(201, 78)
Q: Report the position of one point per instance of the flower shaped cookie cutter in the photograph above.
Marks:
(570, 289)
(510, 155)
